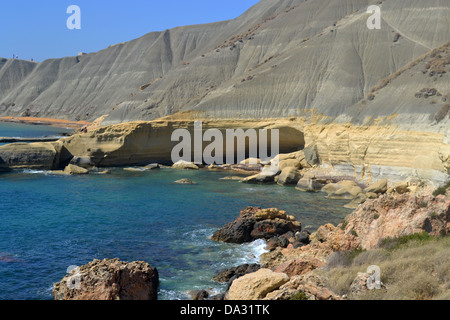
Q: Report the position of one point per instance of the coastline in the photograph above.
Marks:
(60, 123)
(304, 169)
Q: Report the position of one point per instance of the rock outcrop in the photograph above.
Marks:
(39, 156)
(255, 286)
(289, 175)
(391, 216)
(304, 287)
(256, 223)
(109, 280)
(140, 143)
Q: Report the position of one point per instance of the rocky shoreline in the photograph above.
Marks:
(382, 209)
(292, 269)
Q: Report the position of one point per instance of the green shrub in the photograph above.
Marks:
(396, 243)
(299, 296)
(442, 190)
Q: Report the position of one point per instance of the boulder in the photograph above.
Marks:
(267, 174)
(185, 165)
(378, 187)
(109, 280)
(303, 237)
(255, 286)
(311, 156)
(345, 190)
(290, 163)
(289, 175)
(185, 181)
(307, 184)
(231, 274)
(256, 223)
(277, 242)
(72, 169)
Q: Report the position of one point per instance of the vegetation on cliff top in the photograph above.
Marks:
(414, 267)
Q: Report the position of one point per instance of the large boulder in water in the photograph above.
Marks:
(255, 223)
(109, 280)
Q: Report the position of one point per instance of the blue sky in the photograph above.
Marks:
(37, 29)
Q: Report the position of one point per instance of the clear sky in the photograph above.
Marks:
(38, 29)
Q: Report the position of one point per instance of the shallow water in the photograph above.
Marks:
(49, 222)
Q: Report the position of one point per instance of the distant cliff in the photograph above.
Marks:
(279, 59)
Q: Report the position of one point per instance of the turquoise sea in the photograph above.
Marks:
(50, 222)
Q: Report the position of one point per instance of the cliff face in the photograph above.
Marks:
(279, 59)
(372, 100)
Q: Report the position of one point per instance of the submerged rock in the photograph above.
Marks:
(234, 178)
(185, 181)
(109, 280)
(143, 169)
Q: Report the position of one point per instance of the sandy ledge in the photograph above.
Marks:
(47, 122)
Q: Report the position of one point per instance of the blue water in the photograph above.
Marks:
(19, 130)
(49, 222)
